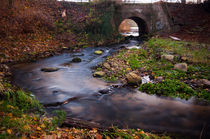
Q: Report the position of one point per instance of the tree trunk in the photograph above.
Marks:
(10, 3)
(183, 1)
(74, 122)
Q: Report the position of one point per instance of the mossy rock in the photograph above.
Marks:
(76, 60)
(98, 52)
(181, 67)
(133, 78)
(49, 69)
(168, 57)
(98, 74)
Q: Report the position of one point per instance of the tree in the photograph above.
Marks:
(10, 3)
(183, 1)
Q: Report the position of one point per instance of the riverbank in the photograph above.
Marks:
(23, 116)
(163, 67)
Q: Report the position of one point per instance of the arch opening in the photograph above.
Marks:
(133, 26)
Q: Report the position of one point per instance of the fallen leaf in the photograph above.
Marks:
(9, 114)
(27, 127)
(98, 136)
(70, 137)
(33, 137)
(1, 113)
(141, 132)
(43, 126)
(38, 128)
(9, 131)
(94, 130)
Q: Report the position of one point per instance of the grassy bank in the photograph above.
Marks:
(22, 116)
(158, 58)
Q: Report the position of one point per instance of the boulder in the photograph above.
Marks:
(181, 66)
(184, 58)
(76, 60)
(203, 82)
(106, 65)
(114, 64)
(98, 74)
(65, 48)
(168, 57)
(98, 52)
(49, 69)
(133, 78)
(105, 91)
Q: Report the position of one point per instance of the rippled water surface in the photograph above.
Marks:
(124, 107)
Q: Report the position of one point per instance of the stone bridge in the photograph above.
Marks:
(150, 18)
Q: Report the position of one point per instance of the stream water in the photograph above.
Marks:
(124, 107)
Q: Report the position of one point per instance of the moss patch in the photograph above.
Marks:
(168, 87)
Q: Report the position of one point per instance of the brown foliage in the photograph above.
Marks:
(26, 16)
(25, 28)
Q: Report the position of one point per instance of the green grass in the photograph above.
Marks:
(196, 53)
(168, 87)
(149, 59)
(22, 115)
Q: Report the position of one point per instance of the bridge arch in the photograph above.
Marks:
(142, 25)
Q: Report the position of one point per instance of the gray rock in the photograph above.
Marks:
(133, 78)
(106, 65)
(105, 91)
(76, 60)
(49, 69)
(184, 58)
(168, 57)
(114, 64)
(203, 82)
(181, 66)
(98, 74)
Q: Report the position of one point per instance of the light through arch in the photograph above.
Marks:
(133, 26)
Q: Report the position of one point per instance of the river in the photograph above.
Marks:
(124, 107)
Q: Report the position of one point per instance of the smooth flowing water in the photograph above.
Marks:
(124, 107)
